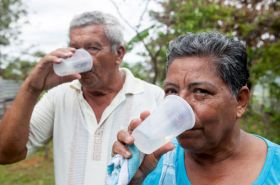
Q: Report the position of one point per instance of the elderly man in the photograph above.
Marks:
(82, 113)
(210, 72)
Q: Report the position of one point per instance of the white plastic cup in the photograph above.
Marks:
(173, 116)
(80, 62)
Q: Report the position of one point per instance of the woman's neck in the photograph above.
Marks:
(229, 148)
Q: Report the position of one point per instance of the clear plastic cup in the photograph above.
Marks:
(80, 62)
(173, 116)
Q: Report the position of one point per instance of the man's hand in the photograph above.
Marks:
(43, 77)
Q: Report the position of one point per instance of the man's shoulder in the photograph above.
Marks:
(139, 85)
(150, 88)
(150, 85)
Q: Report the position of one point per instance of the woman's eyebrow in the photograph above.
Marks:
(205, 83)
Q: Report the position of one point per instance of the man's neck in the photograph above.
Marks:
(111, 88)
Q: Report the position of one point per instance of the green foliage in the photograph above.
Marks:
(263, 123)
(10, 12)
(138, 69)
(256, 23)
(17, 70)
(138, 38)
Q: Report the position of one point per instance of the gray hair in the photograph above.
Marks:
(112, 27)
(229, 55)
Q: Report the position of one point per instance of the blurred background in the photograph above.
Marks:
(31, 28)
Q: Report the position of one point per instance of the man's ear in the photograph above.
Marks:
(120, 51)
(243, 98)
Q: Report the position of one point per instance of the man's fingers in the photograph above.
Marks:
(120, 148)
(50, 59)
(63, 52)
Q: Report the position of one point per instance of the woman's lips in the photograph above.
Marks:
(192, 132)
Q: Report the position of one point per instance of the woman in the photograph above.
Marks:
(210, 72)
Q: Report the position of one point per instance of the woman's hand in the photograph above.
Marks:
(150, 161)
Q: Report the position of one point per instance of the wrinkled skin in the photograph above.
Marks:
(216, 149)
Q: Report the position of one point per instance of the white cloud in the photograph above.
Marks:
(49, 20)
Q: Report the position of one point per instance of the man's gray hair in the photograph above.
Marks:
(228, 54)
(112, 27)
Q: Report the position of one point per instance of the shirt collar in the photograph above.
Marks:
(131, 85)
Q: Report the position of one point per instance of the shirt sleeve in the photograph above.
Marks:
(41, 124)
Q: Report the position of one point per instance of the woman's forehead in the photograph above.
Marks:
(193, 68)
(192, 64)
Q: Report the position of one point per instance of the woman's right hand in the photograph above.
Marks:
(150, 161)
(42, 77)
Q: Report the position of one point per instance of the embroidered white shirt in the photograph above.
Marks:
(82, 147)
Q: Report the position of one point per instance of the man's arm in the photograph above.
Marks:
(14, 128)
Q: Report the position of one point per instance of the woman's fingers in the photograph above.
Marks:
(125, 137)
(150, 161)
(164, 149)
(133, 124)
(120, 148)
(144, 115)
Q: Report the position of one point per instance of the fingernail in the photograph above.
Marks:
(127, 154)
(58, 60)
(129, 139)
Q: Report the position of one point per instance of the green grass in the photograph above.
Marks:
(36, 170)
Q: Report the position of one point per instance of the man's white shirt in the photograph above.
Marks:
(82, 147)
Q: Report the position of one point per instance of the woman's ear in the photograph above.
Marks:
(243, 98)
(120, 51)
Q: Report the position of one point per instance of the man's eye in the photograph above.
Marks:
(93, 48)
(170, 91)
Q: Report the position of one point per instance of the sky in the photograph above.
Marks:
(48, 21)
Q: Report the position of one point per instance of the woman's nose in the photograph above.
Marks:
(186, 96)
(183, 94)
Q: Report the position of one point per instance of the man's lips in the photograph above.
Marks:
(87, 75)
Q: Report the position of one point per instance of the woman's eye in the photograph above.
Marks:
(170, 91)
(201, 91)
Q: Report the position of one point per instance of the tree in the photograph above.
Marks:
(254, 22)
(10, 13)
(18, 69)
